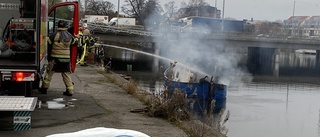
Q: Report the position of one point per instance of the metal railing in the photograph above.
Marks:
(102, 28)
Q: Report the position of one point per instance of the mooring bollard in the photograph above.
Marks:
(90, 58)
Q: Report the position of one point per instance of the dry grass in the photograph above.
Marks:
(211, 126)
(173, 107)
(109, 77)
(132, 88)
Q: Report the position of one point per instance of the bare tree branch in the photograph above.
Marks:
(100, 7)
(170, 9)
(53, 2)
(107, 7)
(195, 8)
(142, 9)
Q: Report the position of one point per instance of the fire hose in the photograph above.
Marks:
(83, 54)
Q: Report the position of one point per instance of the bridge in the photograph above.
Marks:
(263, 53)
(125, 35)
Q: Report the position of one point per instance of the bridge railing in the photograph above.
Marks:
(185, 31)
(101, 28)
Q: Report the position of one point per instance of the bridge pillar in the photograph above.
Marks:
(318, 59)
(155, 66)
(260, 60)
(276, 63)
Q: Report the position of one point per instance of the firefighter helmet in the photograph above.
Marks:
(62, 24)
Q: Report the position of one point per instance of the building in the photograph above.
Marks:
(201, 11)
(295, 25)
(311, 27)
(302, 26)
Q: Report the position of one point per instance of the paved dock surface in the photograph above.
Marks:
(97, 102)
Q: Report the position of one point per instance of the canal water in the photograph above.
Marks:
(274, 110)
(264, 109)
(261, 109)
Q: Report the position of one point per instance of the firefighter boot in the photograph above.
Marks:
(43, 90)
(67, 93)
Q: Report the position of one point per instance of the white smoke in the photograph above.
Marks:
(192, 49)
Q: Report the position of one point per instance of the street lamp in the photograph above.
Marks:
(118, 13)
(222, 22)
(215, 9)
(294, 7)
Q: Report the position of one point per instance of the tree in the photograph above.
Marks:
(183, 4)
(134, 8)
(170, 9)
(197, 3)
(270, 28)
(146, 11)
(152, 13)
(99, 7)
(53, 2)
(195, 8)
(63, 12)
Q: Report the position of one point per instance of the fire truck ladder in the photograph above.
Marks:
(101, 28)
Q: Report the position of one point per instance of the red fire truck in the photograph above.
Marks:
(24, 27)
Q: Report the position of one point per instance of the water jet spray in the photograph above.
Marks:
(156, 56)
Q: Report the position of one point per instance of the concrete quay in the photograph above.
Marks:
(97, 102)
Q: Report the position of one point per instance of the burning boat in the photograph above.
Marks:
(194, 84)
(206, 96)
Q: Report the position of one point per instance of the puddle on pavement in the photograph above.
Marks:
(58, 103)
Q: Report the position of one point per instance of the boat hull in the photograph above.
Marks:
(204, 90)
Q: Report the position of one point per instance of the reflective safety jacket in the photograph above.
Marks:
(86, 39)
(59, 45)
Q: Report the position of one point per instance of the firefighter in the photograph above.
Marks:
(85, 30)
(80, 31)
(87, 42)
(80, 45)
(59, 58)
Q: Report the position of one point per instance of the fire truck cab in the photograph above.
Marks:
(24, 27)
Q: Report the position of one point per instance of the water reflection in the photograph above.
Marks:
(297, 60)
(128, 55)
(289, 62)
(261, 109)
(264, 109)
(274, 109)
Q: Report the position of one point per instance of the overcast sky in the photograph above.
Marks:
(271, 10)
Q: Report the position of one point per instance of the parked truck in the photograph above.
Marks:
(213, 24)
(100, 19)
(122, 22)
(23, 46)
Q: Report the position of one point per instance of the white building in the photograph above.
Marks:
(311, 27)
(295, 25)
(302, 26)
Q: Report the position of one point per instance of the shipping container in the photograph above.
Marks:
(215, 24)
